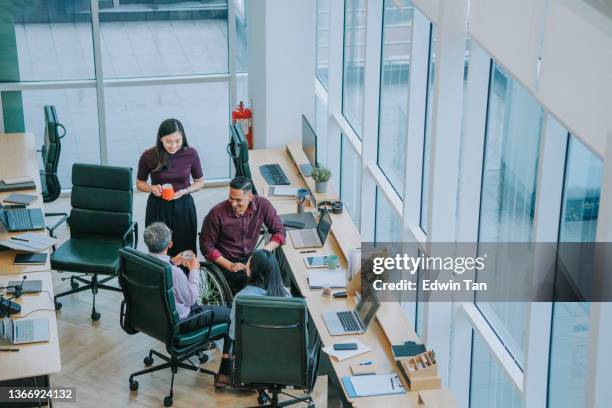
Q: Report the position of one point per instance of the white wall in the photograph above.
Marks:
(281, 64)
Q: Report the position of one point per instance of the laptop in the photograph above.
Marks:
(312, 237)
(353, 322)
(24, 330)
(22, 219)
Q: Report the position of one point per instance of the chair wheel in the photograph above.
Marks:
(311, 405)
(133, 385)
(74, 285)
(262, 398)
(95, 316)
(148, 361)
(167, 401)
(58, 306)
(203, 357)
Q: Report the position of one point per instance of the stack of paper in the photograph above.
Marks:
(344, 354)
(29, 241)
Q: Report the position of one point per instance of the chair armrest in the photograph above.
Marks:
(177, 325)
(313, 361)
(132, 229)
(122, 317)
(63, 218)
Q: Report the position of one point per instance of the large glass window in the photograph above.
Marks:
(320, 126)
(322, 67)
(134, 113)
(388, 221)
(394, 87)
(182, 38)
(507, 201)
(431, 71)
(350, 180)
(489, 385)
(570, 327)
(354, 63)
(46, 40)
(77, 112)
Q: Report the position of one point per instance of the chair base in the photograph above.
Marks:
(174, 364)
(272, 401)
(94, 284)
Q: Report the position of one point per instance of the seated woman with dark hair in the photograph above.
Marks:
(265, 280)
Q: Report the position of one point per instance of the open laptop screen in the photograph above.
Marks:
(368, 306)
(324, 226)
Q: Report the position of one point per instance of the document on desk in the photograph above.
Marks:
(30, 242)
(340, 355)
(370, 385)
(334, 278)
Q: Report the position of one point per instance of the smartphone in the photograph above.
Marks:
(345, 346)
(319, 261)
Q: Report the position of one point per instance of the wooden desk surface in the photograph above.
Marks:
(18, 158)
(391, 325)
(37, 358)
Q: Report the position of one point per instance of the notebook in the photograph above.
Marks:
(27, 286)
(319, 278)
(14, 184)
(31, 259)
(20, 198)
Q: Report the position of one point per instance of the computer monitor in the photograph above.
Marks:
(309, 145)
(238, 150)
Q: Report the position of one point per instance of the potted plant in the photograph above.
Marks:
(321, 175)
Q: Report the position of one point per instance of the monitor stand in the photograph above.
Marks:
(306, 169)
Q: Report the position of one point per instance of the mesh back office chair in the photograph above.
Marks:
(100, 224)
(238, 151)
(149, 307)
(287, 357)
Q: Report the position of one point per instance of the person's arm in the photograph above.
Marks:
(195, 186)
(142, 177)
(187, 287)
(275, 226)
(211, 228)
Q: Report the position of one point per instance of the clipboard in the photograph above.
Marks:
(371, 385)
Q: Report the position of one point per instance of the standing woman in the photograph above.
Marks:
(172, 161)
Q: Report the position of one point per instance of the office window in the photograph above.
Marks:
(134, 113)
(354, 63)
(242, 56)
(388, 221)
(320, 126)
(570, 326)
(322, 64)
(46, 40)
(350, 180)
(394, 87)
(431, 71)
(77, 111)
(507, 200)
(183, 38)
(489, 385)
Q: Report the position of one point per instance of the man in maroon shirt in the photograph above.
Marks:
(231, 229)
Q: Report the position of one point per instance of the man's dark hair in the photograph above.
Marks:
(242, 183)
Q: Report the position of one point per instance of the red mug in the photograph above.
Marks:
(167, 192)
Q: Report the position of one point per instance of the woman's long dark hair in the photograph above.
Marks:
(266, 274)
(167, 127)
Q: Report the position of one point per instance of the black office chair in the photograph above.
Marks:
(100, 224)
(289, 356)
(50, 153)
(149, 307)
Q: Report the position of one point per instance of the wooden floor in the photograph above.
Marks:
(98, 357)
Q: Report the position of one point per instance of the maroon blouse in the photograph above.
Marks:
(181, 165)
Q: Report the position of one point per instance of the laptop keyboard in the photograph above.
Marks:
(24, 331)
(349, 323)
(19, 219)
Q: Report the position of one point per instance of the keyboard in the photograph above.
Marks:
(349, 323)
(19, 219)
(274, 174)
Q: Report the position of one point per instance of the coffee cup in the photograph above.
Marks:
(167, 192)
(332, 261)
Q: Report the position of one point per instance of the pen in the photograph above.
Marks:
(366, 363)
(9, 349)
(392, 386)
(307, 252)
(20, 239)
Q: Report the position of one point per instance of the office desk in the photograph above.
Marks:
(18, 158)
(390, 326)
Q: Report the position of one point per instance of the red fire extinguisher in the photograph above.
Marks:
(244, 117)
